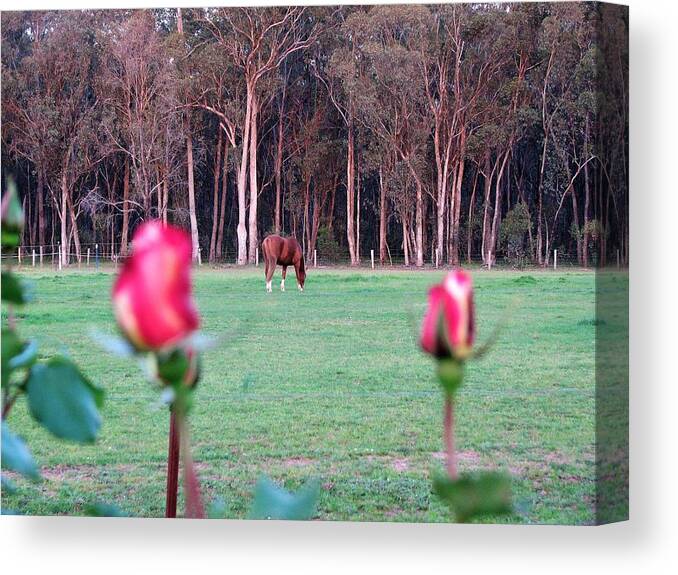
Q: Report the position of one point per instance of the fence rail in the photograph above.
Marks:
(95, 255)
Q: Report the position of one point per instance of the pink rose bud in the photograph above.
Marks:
(152, 295)
(448, 328)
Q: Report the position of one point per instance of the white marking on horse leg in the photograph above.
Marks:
(282, 285)
(269, 289)
(299, 286)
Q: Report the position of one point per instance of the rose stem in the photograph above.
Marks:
(172, 467)
(194, 506)
(8, 403)
(449, 437)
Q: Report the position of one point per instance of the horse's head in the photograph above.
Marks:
(301, 275)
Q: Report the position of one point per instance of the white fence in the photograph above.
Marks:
(96, 255)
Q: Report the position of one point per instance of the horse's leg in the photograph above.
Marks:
(266, 268)
(284, 274)
(270, 270)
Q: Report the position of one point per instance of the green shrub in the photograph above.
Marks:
(328, 247)
(513, 234)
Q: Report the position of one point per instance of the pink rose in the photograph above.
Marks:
(448, 328)
(152, 295)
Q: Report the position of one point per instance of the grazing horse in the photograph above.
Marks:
(284, 252)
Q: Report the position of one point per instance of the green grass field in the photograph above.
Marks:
(331, 384)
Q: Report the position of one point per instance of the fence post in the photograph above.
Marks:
(33, 257)
(59, 255)
(256, 257)
(489, 260)
(555, 259)
(18, 251)
(436, 259)
(87, 257)
(315, 258)
(96, 255)
(40, 256)
(372, 258)
(199, 256)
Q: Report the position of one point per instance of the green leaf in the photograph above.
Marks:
(273, 502)
(14, 290)
(104, 510)
(16, 455)
(26, 357)
(475, 495)
(8, 486)
(12, 216)
(9, 239)
(11, 347)
(64, 401)
(218, 509)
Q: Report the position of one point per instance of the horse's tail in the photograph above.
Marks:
(264, 251)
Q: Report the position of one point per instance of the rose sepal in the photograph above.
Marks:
(450, 374)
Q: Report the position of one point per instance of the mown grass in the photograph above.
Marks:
(330, 384)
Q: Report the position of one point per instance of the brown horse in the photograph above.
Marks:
(284, 252)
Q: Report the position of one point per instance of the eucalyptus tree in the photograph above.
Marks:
(258, 41)
(390, 103)
(54, 112)
(338, 66)
(139, 82)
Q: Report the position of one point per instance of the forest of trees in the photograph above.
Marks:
(450, 133)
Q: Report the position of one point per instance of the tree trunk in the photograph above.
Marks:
(31, 217)
(406, 252)
(254, 188)
(333, 195)
(124, 236)
(161, 179)
(75, 234)
(497, 206)
(486, 211)
(540, 186)
(165, 195)
(441, 181)
(222, 203)
(357, 215)
(457, 212)
(29, 229)
(419, 224)
(383, 248)
(350, 197)
(575, 216)
(307, 228)
(242, 183)
(41, 208)
(587, 201)
(63, 215)
(469, 223)
(278, 171)
(195, 240)
(603, 231)
(215, 200)
(315, 224)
